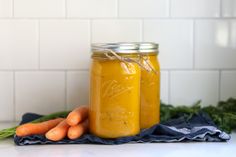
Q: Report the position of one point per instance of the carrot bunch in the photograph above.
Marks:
(73, 126)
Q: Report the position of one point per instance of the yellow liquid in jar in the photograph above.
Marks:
(150, 93)
(114, 98)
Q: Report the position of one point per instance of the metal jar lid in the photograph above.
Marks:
(116, 47)
(148, 47)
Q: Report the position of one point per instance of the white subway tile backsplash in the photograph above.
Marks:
(39, 8)
(39, 92)
(119, 30)
(6, 96)
(165, 86)
(64, 44)
(188, 87)
(175, 39)
(228, 85)
(195, 8)
(229, 8)
(77, 88)
(215, 44)
(18, 44)
(92, 8)
(45, 49)
(143, 8)
(5, 8)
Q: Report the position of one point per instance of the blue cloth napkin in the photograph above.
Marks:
(199, 127)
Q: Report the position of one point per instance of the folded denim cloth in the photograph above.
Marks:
(198, 128)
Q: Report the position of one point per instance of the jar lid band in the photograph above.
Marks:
(127, 47)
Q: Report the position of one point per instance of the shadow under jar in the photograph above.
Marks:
(115, 76)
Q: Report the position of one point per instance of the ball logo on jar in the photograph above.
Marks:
(149, 80)
(113, 88)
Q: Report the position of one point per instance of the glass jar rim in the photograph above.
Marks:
(126, 47)
(116, 47)
(148, 47)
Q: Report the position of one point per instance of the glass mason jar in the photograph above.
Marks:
(150, 85)
(114, 108)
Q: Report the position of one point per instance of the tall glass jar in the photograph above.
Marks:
(150, 85)
(114, 109)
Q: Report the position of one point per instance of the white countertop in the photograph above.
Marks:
(193, 149)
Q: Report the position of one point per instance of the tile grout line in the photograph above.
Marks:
(14, 95)
(219, 85)
(163, 69)
(90, 39)
(193, 42)
(39, 53)
(142, 30)
(13, 8)
(125, 18)
(66, 13)
(117, 9)
(220, 9)
(31, 70)
(65, 83)
(90, 31)
(77, 70)
(169, 11)
(169, 87)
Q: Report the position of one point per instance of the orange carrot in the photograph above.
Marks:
(75, 132)
(37, 128)
(77, 115)
(59, 132)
